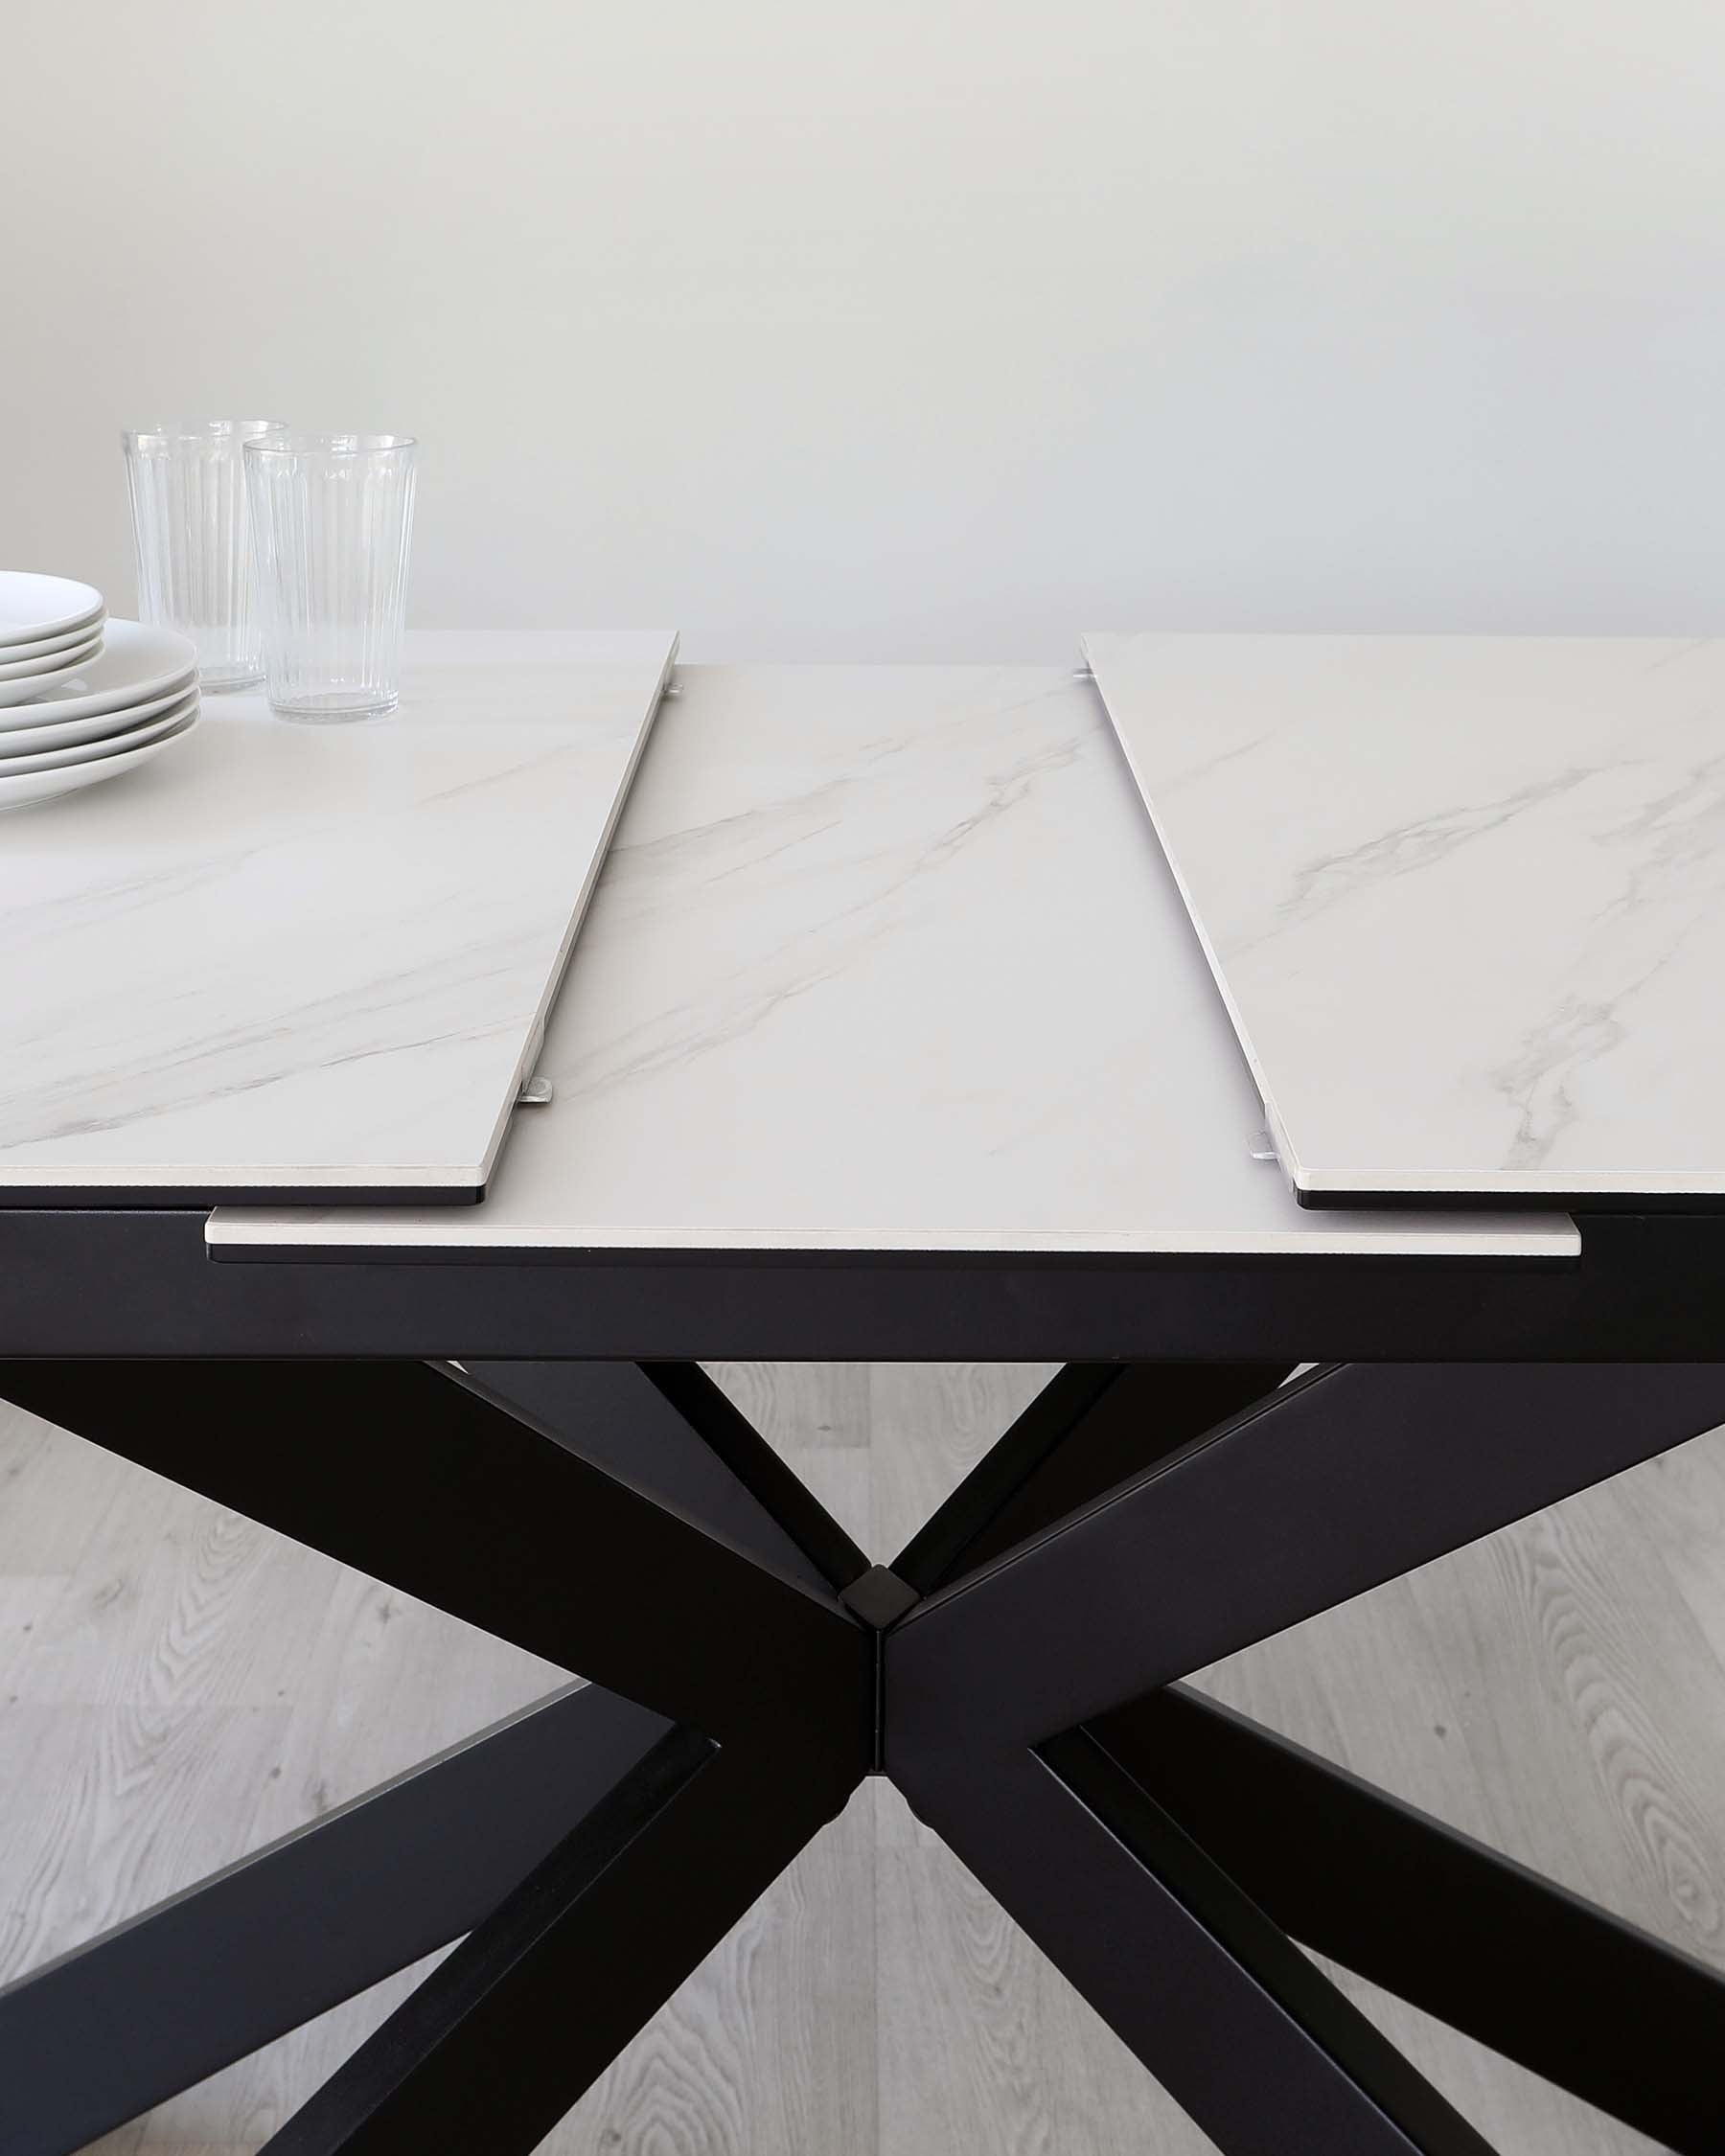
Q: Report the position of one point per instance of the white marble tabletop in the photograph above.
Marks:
(302, 958)
(888, 960)
(1464, 898)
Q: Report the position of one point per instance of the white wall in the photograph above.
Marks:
(917, 328)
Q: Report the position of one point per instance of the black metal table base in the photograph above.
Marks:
(1015, 1672)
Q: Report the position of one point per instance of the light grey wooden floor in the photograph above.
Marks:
(177, 1686)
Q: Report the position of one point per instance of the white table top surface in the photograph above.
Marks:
(1464, 897)
(288, 957)
(888, 960)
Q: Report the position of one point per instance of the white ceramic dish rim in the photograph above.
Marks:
(70, 657)
(20, 625)
(47, 711)
(10, 653)
(100, 725)
(117, 695)
(67, 778)
(107, 744)
(29, 689)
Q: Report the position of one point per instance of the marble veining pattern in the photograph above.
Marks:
(314, 957)
(888, 958)
(1464, 896)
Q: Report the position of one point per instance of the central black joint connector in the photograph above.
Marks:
(880, 1598)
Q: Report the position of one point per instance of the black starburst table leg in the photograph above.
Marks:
(590, 1863)
(1015, 1671)
(1029, 1723)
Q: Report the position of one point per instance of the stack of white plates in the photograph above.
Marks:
(123, 695)
(49, 625)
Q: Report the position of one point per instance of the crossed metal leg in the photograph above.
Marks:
(1014, 1672)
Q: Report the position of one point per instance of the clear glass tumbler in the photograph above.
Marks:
(331, 518)
(187, 483)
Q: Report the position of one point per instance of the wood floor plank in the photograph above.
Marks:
(930, 1423)
(816, 1415)
(53, 1489)
(983, 2045)
(1604, 1680)
(26, 1602)
(1682, 1513)
(770, 2047)
(174, 1601)
(104, 1811)
(801, 1407)
(387, 1681)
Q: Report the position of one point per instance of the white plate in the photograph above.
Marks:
(56, 661)
(67, 694)
(43, 786)
(16, 646)
(23, 685)
(134, 663)
(34, 606)
(43, 646)
(32, 719)
(67, 733)
(50, 662)
(110, 745)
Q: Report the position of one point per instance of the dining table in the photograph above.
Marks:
(1308, 1043)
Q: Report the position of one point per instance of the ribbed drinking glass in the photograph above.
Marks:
(331, 518)
(187, 483)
